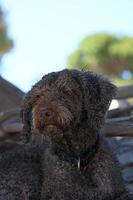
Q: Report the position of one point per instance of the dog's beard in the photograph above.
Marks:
(59, 130)
(61, 119)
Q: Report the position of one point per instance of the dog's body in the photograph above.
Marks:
(62, 116)
(99, 178)
(20, 172)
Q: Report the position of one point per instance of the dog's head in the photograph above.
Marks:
(66, 100)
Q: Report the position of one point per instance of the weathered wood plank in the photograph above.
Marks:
(117, 129)
(125, 92)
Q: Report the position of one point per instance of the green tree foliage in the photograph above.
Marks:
(104, 53)
(5, 42)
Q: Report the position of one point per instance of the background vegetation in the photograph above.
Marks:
(6, 43)
(105, 53)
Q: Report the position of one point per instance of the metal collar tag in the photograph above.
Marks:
(79, 163)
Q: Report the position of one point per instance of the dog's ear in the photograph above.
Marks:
(26, 118)
(98, 93)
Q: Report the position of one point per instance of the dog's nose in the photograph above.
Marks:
(46, 113)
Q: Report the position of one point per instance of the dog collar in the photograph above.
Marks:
(78, 161)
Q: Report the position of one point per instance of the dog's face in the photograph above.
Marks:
(66, 101)
(58, 104)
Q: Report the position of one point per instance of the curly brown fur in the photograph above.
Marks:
(62, 115)
(20, 172)
(66, 110)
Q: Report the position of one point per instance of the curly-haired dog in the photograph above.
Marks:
(66, 110)
(66, 158)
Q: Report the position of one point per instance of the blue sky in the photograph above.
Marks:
(45, 32)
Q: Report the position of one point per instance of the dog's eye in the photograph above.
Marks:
(67, 92)
(37, 96)
(70, 93)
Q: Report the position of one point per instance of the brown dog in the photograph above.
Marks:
(66, 110)
(66, 158)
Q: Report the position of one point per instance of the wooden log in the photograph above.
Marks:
(120, 119)
(125, 92)
(119, 111)
(12, 128)
(8, 114)
(117, 129)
